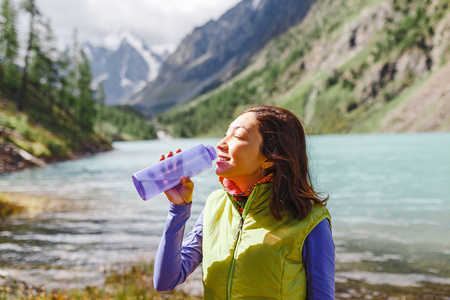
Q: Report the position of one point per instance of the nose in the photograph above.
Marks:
(222, 145)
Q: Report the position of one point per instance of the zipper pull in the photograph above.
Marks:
(239, 228)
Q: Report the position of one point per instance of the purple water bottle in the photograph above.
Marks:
(166, 174)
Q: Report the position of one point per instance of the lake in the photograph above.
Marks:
(389, 201)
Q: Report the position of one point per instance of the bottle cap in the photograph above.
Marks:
(211, 151)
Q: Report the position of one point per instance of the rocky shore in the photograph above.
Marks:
(13, 158)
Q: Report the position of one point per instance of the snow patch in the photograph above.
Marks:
(255, 4)
(112, 42)
(145, 52)
(88, 52)
(139, 86)
(124, 81)
(96, 81)
(224, 23)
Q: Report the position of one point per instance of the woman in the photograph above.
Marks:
(266, 234)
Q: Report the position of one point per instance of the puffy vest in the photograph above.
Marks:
(254, 256)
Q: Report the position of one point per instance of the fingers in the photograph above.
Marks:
(169, 165)
(172, 165)
(169, 154)
(187, 182)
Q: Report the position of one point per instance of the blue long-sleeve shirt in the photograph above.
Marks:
(177, 257)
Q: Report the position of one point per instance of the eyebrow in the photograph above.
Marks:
(239, 126)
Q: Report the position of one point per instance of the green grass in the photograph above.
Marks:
(330, 111)
(30, 136)
(297, 99)
(132, 283)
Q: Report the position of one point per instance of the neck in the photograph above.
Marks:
(236, 187)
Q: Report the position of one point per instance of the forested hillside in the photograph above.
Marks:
(48, 110)
(350, 66)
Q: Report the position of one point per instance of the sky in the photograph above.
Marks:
(162, 24)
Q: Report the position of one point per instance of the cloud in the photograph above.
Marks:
(161, 23)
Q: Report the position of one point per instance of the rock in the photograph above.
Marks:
(13, 158)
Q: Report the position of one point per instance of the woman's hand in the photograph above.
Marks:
(180, 194)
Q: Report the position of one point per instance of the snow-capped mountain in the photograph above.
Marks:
(125, 68)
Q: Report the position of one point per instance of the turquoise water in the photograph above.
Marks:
(389, 200)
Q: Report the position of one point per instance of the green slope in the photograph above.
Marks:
(343, 69)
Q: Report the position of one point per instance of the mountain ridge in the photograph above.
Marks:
(216, 51)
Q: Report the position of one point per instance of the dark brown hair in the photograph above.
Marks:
(284, 144)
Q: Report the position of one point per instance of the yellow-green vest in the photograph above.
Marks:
(254, 256)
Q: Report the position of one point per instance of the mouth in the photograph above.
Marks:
(221, 158)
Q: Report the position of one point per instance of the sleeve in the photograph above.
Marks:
(319, 260)
(176, 259)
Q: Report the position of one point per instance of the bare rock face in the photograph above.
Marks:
(440, 39)
(218, 49)
(13, 158)
(427, 109)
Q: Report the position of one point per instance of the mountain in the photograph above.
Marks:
(216, 51)
(350, 66)
(125, 69)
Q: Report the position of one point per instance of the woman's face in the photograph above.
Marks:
(239, 157)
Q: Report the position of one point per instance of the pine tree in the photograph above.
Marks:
(51, 58)
(9, 45)
(43, 67)
(36, 59)
(64, 96)
(86, 105)
(74, 57)
(30, 7)
(100, 96)
(80, 78)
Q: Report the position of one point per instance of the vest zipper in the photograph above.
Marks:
(239, 228)
(237, 239)
(233, 260)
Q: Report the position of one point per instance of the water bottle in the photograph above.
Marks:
(166, 174)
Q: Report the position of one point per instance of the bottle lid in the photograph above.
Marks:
(211, 151)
